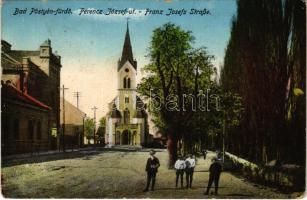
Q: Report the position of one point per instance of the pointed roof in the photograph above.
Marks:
(46, 43)
(127, 54)
(114, 113)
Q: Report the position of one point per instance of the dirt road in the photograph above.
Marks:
(115, 174)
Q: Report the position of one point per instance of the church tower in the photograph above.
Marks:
(127, 71)
(127, 120)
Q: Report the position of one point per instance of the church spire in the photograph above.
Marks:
(127, 54)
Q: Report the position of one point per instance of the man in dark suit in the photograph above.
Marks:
(215, 171)
(152, 166)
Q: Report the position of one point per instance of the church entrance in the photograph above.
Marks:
(126, 137)
(117, 138)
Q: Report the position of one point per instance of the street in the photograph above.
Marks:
(115, 174)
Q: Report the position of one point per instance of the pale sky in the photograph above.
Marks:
(90, 45)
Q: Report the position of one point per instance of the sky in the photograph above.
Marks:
(90, 45)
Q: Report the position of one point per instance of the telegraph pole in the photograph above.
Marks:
(77, 95)
(224, 127)
(94, 108)
(63, 125)
(83, 133)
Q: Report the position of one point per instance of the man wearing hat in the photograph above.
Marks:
(152, 166)
(215, 171)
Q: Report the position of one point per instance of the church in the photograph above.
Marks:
(127, 120)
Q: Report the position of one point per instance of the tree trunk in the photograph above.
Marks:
(172, 150)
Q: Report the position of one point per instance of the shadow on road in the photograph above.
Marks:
(238, 195)
(86, 155)
(184, 188)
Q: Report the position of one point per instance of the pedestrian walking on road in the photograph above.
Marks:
(152, 166)
(179, 166)
(189, 170)
(205, 154)
(219, 155)
(215, 171)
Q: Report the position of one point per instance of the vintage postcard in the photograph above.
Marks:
(153, 99)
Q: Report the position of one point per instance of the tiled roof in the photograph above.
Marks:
(8, 92)
(19, 54)
(8, 62)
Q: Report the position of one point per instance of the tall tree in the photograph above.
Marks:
(265, 49)
(176, 70)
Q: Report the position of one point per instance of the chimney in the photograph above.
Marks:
(23, 75)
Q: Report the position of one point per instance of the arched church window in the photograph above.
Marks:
(128, 83)
(126, 99)
(126, 116)
(125, 80)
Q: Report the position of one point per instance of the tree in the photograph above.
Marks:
(89, 125)
(264, 64)
(102, 122)
(175, 70)
(101, 130)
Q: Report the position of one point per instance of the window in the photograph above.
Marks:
(125, 83)
(126, 116)
(5, 126)
(128, 83)
(30, 130)
(126, 99)
(16, 129)
(39, 131)
(127, 70)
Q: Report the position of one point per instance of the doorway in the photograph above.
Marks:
(126, 137)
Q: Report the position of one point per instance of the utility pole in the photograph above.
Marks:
(94, 108)
(224, 127)
(82, 135)
(77, 95)
(63, 125)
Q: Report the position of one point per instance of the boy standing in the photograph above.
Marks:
(152, 166)
(189, 170)
(179, 166)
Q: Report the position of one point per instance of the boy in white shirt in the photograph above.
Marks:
(180, 167)
(189, 170)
